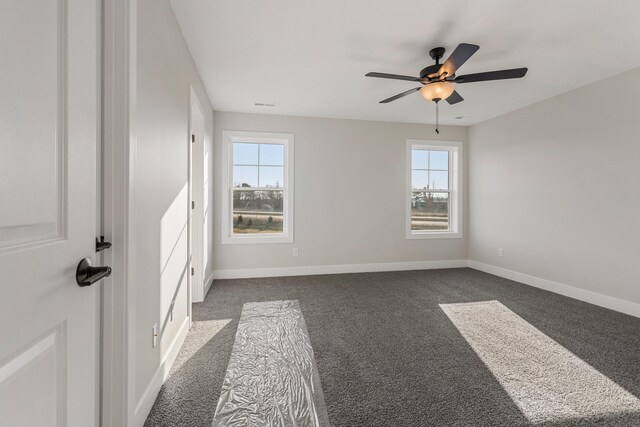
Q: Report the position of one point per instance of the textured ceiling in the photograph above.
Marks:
(309, 58)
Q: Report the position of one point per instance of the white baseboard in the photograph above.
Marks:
(337, 269)
(591, 297)
(151, 392)
(207, 285)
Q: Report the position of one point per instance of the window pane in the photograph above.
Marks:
(419, 159)
(439, 180)
(419, 180)
(429, 211)
(245, 154)
(439, 160)
(272, 154)
(257, 212)
(245, 176)
(271, 176)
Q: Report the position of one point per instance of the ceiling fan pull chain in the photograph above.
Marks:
(437, 117)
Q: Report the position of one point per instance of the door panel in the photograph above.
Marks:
(48, 137)
(33, 94)
(36, 374)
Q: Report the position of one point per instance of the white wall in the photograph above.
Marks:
(165, 72)
(556, 185)
(349, 194)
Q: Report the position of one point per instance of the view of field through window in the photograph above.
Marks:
(258, 188)
(429, 190)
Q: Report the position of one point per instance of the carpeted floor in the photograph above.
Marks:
(388, 355)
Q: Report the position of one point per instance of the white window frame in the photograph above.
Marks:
(228, 139)
(456, 179)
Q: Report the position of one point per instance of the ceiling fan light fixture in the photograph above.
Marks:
(437, 90)
(439, 81)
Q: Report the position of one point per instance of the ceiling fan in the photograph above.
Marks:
(439, 80)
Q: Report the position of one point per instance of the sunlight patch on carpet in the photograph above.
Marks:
(547, 382)
(202, 331)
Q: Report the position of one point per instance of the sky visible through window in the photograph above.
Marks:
(258, 165)
(429, 170)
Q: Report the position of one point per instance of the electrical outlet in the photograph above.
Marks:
(295, 252)
(500, 252)
(155, 334)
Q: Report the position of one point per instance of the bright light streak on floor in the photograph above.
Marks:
(207, 330)
(547, 382)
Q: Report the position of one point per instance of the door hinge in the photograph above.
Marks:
(193, 271)
(193, 204)
(193, 137)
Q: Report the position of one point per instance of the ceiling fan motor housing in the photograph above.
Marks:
(431, 70)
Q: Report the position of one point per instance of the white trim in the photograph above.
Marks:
(434, 235)
(310, 270)
(456, 180)
(207, 285)
(119, 69)
(591, 297)
(153, 388)
(228, 138)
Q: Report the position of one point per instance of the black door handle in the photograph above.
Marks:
(87, 275)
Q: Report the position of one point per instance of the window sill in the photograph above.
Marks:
(249, 240)
(434, 235)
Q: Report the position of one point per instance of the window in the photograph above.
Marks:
(434, 187)
(258, 182)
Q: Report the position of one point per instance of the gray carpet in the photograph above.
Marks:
(388, 355)
(547, 382)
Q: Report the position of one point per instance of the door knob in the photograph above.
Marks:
(87, 275)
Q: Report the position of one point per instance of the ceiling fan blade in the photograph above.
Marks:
(393, 76)
(454, 98)
(460, 55)
(400, 95)
(514, 73)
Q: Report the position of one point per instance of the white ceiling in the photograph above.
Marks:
(309, 57)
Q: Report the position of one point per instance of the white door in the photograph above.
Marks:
(197, 239)
(48, 136)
